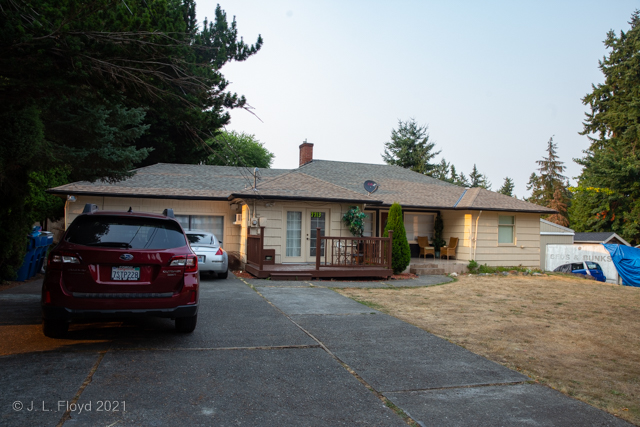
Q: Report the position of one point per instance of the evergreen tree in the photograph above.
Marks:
(559, 204)
(549, 187)
(507, 187)
(442, 171)
(608, 194)
(400, 251)
(476, 179)
(459, 178)
(92, 88)
(410, 148)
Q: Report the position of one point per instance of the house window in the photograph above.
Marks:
(418, 224)
(368, 225)
(506, 228)
(294, 234)
(210, 223)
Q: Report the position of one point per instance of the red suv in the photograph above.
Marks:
(117, 264)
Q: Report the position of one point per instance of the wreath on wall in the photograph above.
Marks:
(354, 220)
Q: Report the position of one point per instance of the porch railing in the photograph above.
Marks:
(353, 251)
(255, 247)
(334, 251)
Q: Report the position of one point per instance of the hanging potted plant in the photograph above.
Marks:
(354, 220)
(438, 241)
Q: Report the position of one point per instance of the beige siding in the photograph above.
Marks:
(459, 224)
(549, 228)
(231, 238)
(525, 251)
(551, 240)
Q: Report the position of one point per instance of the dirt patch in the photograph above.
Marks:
(577, 336)
(243, 274)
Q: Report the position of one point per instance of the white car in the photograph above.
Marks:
(211, 257)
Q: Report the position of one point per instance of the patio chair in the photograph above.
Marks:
(425, 249)
(450, 249)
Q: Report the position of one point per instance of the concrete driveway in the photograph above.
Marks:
(264, 353)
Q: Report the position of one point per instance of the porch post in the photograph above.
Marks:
(260, 247)
(390, 248)
(318, 248)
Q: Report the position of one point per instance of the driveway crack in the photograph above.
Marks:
(67, 414)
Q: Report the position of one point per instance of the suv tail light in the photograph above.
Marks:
(63, 258)
(189, 262)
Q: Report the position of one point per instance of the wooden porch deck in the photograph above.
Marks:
(308, 271)
(336, 257)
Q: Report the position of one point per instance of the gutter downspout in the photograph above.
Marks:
(475, 238)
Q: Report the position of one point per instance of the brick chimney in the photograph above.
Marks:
(306, 152)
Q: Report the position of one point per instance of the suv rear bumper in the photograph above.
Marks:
(63, 313)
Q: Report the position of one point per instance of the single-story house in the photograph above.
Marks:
(234, 202)
(553, 234)
(599, 237)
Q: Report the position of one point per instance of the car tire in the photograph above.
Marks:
(54, 328)
(186, 325)
(223, 275)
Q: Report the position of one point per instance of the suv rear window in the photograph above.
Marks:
(125, 232)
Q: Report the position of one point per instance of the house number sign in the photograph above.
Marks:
(316, 214)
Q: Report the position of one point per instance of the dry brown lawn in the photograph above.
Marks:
(577, 336)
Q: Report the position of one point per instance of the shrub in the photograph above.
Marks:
(400, 251)
(472, 267)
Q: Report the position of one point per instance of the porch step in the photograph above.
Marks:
(290, 276)
(426, 265)
(427, 271)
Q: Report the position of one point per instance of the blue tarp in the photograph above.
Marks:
(627, 262)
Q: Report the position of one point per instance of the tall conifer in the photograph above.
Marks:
(400, 252)
(608, 194)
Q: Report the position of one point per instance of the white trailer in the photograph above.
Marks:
(558, 255)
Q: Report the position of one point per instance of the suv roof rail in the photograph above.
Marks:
(168, 213)
(90, 208)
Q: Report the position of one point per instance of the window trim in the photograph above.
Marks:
(374, 231)
(513, 231)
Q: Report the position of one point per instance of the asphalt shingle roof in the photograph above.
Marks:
(317, 180)
(593, 236)
(297, 185)
(409, 188)
(174, 180)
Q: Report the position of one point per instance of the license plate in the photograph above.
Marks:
(200, 258)
(125, 273)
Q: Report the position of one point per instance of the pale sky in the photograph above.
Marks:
(493, 80)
